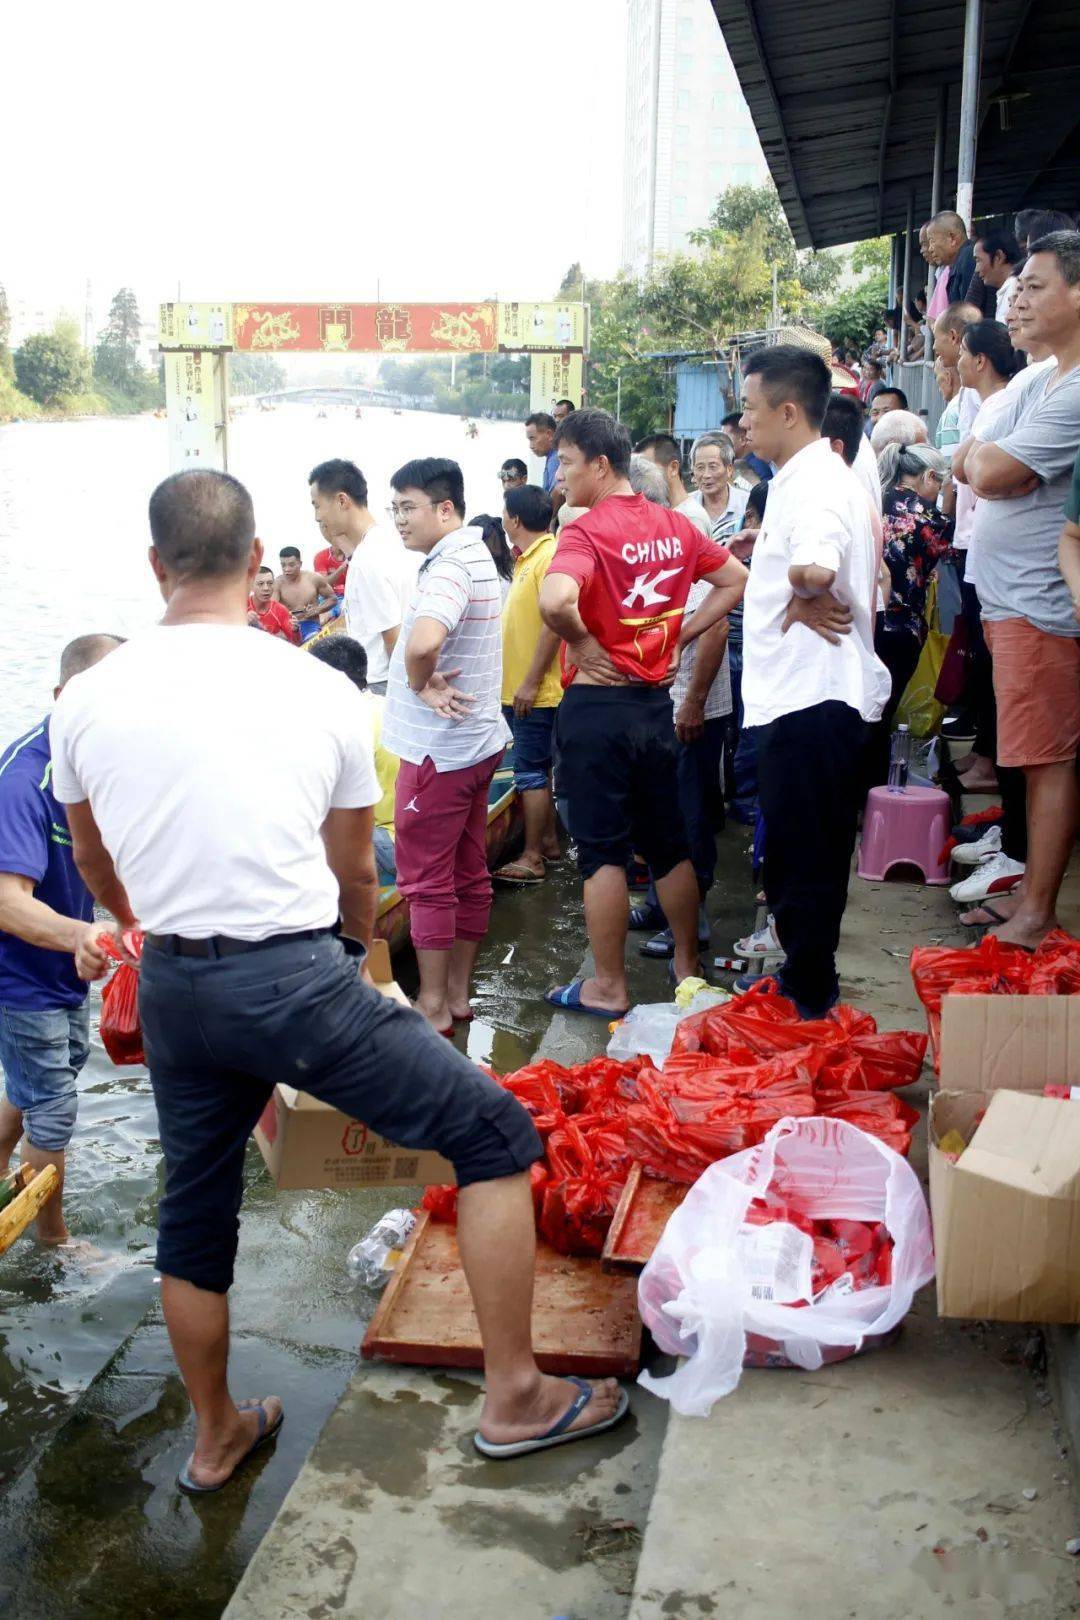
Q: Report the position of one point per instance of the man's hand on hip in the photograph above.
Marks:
(823, 614)
(444, 698)
(592, 660)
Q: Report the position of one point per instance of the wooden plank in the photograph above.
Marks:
(585, 1320)
(16, 1216)
(639, 1220)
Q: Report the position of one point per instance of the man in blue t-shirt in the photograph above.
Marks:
(45, 912)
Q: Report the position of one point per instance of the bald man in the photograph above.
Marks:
(954, 255)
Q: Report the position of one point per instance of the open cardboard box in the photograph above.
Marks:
(308, 1144)
(1007, 1213)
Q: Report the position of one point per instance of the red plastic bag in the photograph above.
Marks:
(991, 968)
(121, 1032)
(440, 1203)
(880, 1113)
(580, 1198)
(1055, 966)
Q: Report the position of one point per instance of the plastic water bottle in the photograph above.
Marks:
(899, 759)
(372, 1260)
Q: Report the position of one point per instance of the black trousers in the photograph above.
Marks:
(983, 705)
(810, 777)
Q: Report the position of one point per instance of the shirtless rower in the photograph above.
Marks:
(302, 592)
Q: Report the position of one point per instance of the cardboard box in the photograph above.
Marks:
(307, 1144)
(1007, 1213)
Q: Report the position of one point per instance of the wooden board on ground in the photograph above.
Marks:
(585, 1320)
(640, 1217)
(16, 1216)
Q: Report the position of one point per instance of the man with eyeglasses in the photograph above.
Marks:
(381, 573)
(443, 719)
(513, 474)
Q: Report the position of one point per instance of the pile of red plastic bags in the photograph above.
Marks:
(734, 1071)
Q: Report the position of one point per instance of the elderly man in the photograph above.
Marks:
(1021, 476)
(712, 462)
(898, 427)
(954, 255)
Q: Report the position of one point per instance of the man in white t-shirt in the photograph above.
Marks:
(663, 450)
(240, 866)
(382, 573)
(813, 693)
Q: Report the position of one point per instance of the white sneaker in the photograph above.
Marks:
(988, 844)
(763, 942)
(997, 874)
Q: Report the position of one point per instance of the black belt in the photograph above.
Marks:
(221, 945)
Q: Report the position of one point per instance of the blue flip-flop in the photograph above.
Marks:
(568, 996)
(557, 1435)
(266, 1433)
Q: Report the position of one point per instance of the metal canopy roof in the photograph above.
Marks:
(845, 95)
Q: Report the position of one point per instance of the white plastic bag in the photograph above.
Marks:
(712, 1279)
(649, 1029)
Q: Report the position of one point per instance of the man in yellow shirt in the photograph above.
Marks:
(342, 652)
(531, 684)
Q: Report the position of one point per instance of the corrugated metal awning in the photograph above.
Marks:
(844, 97)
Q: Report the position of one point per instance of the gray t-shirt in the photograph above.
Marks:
(1016, 571)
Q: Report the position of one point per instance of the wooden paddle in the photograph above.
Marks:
(37, 1188)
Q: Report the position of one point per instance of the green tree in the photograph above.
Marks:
(256, 374)
(50, 365)
(116, 358)
(850, 317)
(873, 254)
(800, 274)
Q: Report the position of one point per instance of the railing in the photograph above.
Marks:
(916, 378)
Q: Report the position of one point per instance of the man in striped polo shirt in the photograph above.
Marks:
(444, 720)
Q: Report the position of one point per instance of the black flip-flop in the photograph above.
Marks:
(557, 1435)
(266, 1433)
(995, 916)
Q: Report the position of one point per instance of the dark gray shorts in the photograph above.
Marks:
(219, 1034)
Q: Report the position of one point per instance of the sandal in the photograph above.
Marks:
(560, 1432)
(518, 875)
(266, 1433)
(568, 997)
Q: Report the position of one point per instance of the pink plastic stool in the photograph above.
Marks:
(908, 828)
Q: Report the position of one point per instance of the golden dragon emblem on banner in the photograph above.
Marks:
(472, 329)
(270, 331)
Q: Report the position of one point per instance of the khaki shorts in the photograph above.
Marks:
(1037, 687)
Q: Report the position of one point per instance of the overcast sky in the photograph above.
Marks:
(429, 149)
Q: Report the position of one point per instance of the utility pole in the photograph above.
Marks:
(969, 110)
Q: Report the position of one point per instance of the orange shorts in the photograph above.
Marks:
(1037, 687)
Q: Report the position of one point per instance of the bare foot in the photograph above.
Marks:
(460, 1011)
(505, 1423)
(214, 1459)
(969, 762)
(1019, 930)
(602, 997)
(438, 1017)
(552, 852)
(1003, 904)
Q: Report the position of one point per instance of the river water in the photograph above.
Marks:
(73, 543)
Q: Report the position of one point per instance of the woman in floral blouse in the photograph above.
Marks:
(916, 536)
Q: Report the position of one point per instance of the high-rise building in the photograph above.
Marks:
(689, 133)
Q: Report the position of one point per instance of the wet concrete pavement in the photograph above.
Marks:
(879, 1487)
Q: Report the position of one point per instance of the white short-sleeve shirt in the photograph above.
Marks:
(817, 513)
(380, 581)
(211, 755)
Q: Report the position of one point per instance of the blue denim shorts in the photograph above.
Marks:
(42, 1054)
(533, 738)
